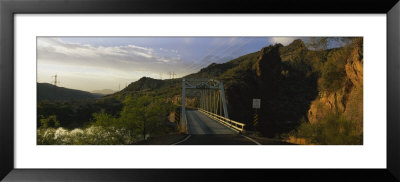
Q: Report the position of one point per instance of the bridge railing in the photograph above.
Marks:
(225, 121)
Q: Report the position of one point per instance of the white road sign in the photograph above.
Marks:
(256, 103)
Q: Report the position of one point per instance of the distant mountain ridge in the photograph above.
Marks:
(103, 92)
(46, 91)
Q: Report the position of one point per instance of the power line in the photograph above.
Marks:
(226, 51)
(194, 65)
(208, 54)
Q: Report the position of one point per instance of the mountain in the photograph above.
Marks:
(46, 91)
(340, 104)
(296, 85)
(103, 92)
(144, 84)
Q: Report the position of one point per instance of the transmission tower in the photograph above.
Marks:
(55, 80)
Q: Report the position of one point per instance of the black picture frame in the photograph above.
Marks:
(9, 8)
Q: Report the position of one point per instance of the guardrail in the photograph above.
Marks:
(225, 121)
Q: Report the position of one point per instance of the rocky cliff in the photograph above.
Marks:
(285, 90)
(347, 100)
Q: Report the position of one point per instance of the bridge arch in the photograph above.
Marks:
(212, 96)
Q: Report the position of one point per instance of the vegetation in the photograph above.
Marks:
(333, 70)
(51, 121)
(77, 113)
(140, 117)
(342, 122)
(87, 136)
(334, 129)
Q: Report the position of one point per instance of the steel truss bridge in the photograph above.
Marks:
(211, 117)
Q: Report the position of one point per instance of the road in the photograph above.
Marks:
(199, 123)
(203, 130)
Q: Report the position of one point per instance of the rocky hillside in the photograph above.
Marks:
(348, 98)
(345, 104)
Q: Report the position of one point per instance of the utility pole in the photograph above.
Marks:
(183, 112)
(144, 124)
(171, 75)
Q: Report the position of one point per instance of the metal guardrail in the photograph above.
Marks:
(225, 121)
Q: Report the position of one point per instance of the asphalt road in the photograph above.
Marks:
(203, 130)
(199, 123)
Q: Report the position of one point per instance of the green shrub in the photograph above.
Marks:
(50, 121)
(333, 70)
(334, 129)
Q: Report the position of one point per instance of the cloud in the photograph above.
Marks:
(283, 40)
(127, 62)
(130, 57)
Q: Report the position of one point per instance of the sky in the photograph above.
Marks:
(96, 63)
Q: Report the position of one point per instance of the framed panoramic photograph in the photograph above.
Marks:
(200, 90)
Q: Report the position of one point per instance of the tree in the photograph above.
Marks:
(145, 114)
(50, 121)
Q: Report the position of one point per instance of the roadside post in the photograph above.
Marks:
(256, 105)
